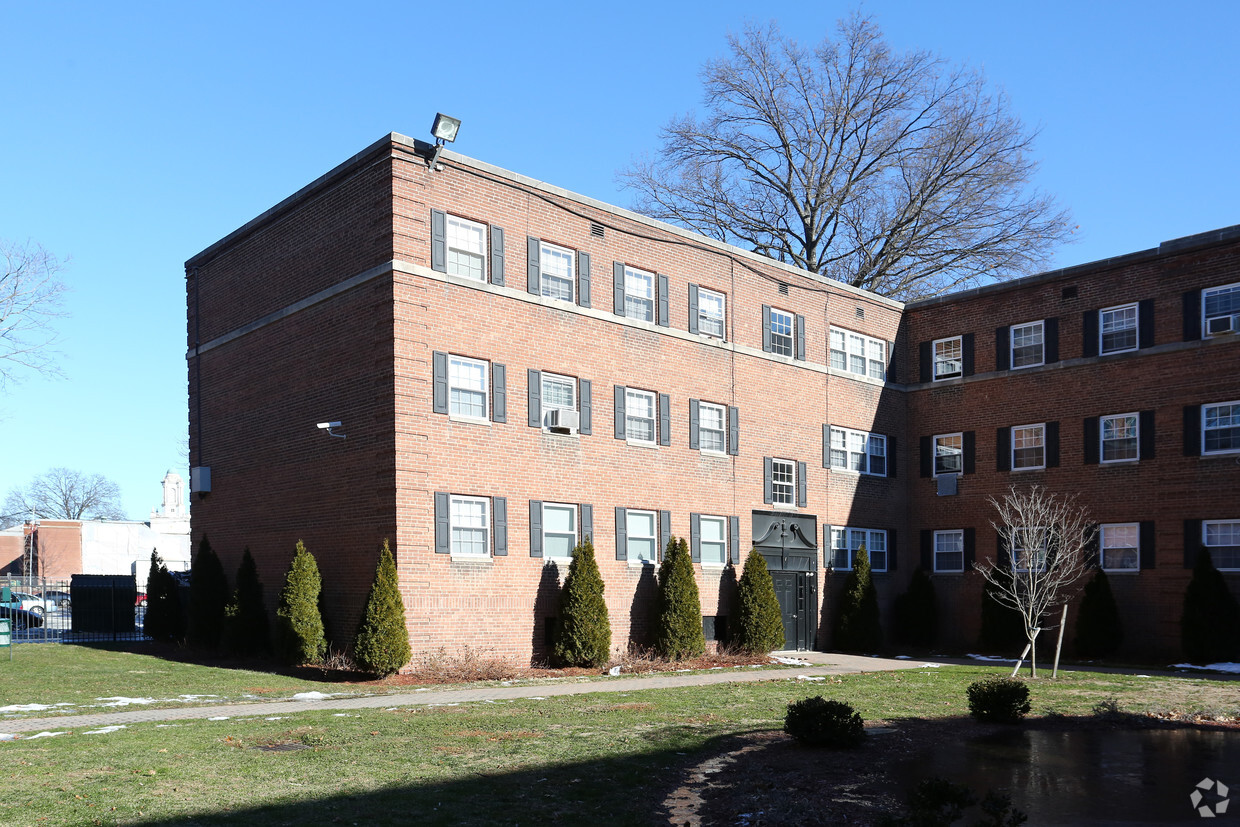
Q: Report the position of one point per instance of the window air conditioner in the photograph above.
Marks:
(564, 421)
(1223, 324)
(947, 485)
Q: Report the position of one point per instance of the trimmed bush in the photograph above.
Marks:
(1002, 700)
(1002, 627)
(163, 620)
(382, 644)
(208, 595)
(245, 618)
(858, 627)
(760, 626)
(817, 722)
(1099, 630)
(678, 633)
(299, 625)
(583, 634)
(1210, 624)
(917, 613)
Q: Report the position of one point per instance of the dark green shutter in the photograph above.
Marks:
(443, 540)
(694, 438)
(734, 431)
(1092, 440)
(617, 295)
(693, 308)
(734, 538)
(665, 533)
(925, 358)
(663, 310)
(497, 256)
(1145, 323)
(533, 267)
(1003, 449)
(966, 350)
(766, 328)
(622, 535)
(970, 548)
(925, 451)
(534, 383)
(800, 351)
(927, 550)
(826, 446)
(1192, 542)
(1192, 430)
(499, 393)
(1147, 544)
(499, 526)
(893, 558)
(970, 452)
(1192, 315)
(767, 470)
(802, 487)
(695, 537)
(583, 279)
(536, 528)
(891, 457)
(439, 396)
(1003, 345)
(585, 406)
(587, 522)
(439, 242)
(619, 407)
(1052, 445)
(665, 419)
(1145, 424)
(1050, 340)
(1089, 333)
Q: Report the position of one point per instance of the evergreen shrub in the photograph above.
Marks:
(208, 595)
(1210, 624)
(817, 722)
(1002, 700)
(760, 627)
(246, 630)
(1099, 630)
(299, 624)
(382, 644)
(163, 620)
(858, 627)
(916, 613)
(1002, 628)
(678, 633)
(583, 634)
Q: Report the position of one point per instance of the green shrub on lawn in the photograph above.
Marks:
(760, 627)
(817, 722)
(916, 613)
(583, 633)
(208, 595)
(1210, 624)
(299, 624)
(858, 627)
(382, 644)
(246, 630)
(163, 620)
(1002, 700)
(1099, 630)
(678, 634)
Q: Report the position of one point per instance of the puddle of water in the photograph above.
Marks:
(1090, 776)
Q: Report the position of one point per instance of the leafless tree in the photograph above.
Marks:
(64, 494)
(892, 172)
(1045, 538)
(30, 297)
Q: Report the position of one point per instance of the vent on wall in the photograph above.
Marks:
(783, 289)
(860, 312)
(596, 230)
(1069, 292)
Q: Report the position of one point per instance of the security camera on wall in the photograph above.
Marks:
(325, 426)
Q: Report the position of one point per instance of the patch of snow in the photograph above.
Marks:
(162, 726)
(5, 736)
(684, 670)
(29, 707)
(536, 698)
(314, 696)
(422, 689)
(276, 718)
(903, 657)
(810, 678)
(1231, 668)
(1140, 676)
(195, 697)
(344, 715)
(122, 701)
(613, 671)
(45, 735)
(791, 661)
(105, 730)
(931, 665)
(219, 718)
(991, 658)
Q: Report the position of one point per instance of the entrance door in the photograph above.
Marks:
(790, 590)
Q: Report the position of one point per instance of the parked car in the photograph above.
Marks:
(57, 598)
(141, 601)
(27, 602)
(21, 618)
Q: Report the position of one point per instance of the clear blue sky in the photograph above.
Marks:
(133, 135)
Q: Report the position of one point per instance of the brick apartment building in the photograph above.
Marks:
(514, 367)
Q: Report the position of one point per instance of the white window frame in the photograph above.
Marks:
(548, 407)
(953, 533)
(868, 443)
(706, 318)
(1102, 328)
(1041, 344)
(630, 395)
(1042, 558)
(553, 252)
(1105, 543)
(1136, 438)
(934, 460)
(459, 499)
(1214, 557)
(723, 539)
(1204, 430)
(1041, 426)
(843, 351)
(777, 487)
(449, 237)
(777, 339)
(958, 360)
(630, 536)
(639, 275)
(852, 534)
(1205, 320)
(572, 508)
(722, 430)
(486, 389)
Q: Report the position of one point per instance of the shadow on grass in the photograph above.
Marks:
(216, 660)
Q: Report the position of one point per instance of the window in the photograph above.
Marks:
(467, 248)
(467, 387)
(949, 550)
(1121, 547)
(558, 393)
(1027, 345)
(858, 451)
(640, 536)
(1119, 438)
(1220, 302)
(638, 294)
(1220, 428)
(639, 415)
(556, 264)
(855, 353)
(559, 530)
(1030, 547)
(469, 525)
(783, 482)
(710, 428)
(1028, 447)
(714, 541)
(845, 542)
(949, 454)
(782, 333)
(1117, 329)
(1222, 540)
(710, 312)
(948, 358)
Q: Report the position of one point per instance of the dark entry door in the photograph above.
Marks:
(790, 587)
(788, 543)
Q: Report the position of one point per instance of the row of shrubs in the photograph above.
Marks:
(237, 622)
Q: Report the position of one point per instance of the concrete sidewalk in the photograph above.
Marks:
(823, 664)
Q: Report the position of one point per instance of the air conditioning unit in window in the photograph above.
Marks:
(1223, 324)
(563, 421)
(947, 485)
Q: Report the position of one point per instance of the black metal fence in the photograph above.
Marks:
(86, 608)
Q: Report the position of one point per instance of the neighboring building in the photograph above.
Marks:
(514, 367)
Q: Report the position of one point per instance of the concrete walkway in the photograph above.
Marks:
(823, 664)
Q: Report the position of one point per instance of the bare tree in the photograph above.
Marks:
(891, 172)
(64, 494)
(30, 297)
(1045, 538)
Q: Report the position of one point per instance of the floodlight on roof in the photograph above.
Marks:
(444, 131)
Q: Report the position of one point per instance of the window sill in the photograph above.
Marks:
(1132, 461)
(548, 431)
(638, 564)
(637, 443)
(938, 474)
(950, 571)
(1229, 453)
(1122, 571)
(472, 558)
(1031, 468)
(714, 454)
(469, 420)
(1026, 367)
(714, 566)
(947, 378)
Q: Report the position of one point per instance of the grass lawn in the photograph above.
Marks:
(587, 759)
